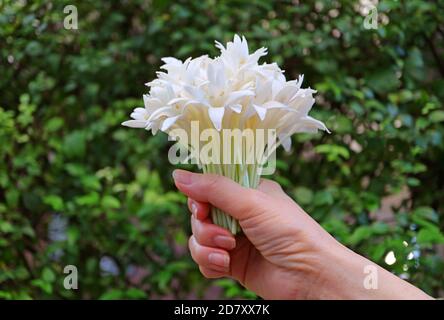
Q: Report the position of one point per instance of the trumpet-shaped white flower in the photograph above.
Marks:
(212, 89)
(231, 91)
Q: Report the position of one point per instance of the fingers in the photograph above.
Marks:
(200, 210)
(221, 192)
(211, 274)
(209, 234)
(208, 242)
(214, 259)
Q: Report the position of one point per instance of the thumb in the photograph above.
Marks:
(221, 192)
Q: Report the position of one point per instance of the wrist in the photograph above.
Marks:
(347, 275)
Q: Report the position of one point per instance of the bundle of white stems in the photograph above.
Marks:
(231, 91)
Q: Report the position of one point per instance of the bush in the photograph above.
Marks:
(78, 189)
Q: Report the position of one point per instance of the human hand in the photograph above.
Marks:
(284, 253)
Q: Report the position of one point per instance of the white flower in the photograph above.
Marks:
(231, 91)
(229, 87)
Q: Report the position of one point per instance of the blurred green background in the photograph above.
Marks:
(77, 188)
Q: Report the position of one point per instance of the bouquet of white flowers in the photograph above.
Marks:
(232, 92)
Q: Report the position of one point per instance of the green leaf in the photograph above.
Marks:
(113, 294)
(75, 169)
(383, 80)
(333, 152)
(6, 227)
(74, 144)
(90, 199)
(134, 293)
(43, 285)
(91, 182)
(55, 202)
(303, 195)
(436, 116)
(48, 275)
(110, 202)
(427, 213)
(429, 236)
(323, 197)
(54, 124)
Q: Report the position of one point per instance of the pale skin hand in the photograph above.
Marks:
(284, 253)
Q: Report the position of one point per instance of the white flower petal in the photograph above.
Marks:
(302, 104)
(139, 110)
(177, 100)
(171, 60)
(235, 96)
(196, 94)
(263, 91)
(275, 105)
(309, 124)
(155, 127)
(135, 123)
(286, 143)
(249, 112)
(146, 99)
(152, 102)
(286, 93)
(261, 112)
(216, 116)
(244, 46)
(236, 108)
(257, 54)
(220, 46)
(195, 103)
(161, 112)
(233, 82)
(168, 122)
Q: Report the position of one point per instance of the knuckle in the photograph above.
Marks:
(196, 229)
(190, 243)
(196, 250)
(253, 199)
(189, 202)
(192, 247)
(271, 184)
(275, 185)
(193, 226)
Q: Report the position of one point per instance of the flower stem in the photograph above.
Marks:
(246, 175)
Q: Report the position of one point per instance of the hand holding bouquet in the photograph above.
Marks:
(244, 108)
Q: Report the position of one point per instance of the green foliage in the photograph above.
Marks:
(64, 156)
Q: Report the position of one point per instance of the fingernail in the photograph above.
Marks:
(194, 209)
(182, 176)
(219, 259)
(225, 242)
